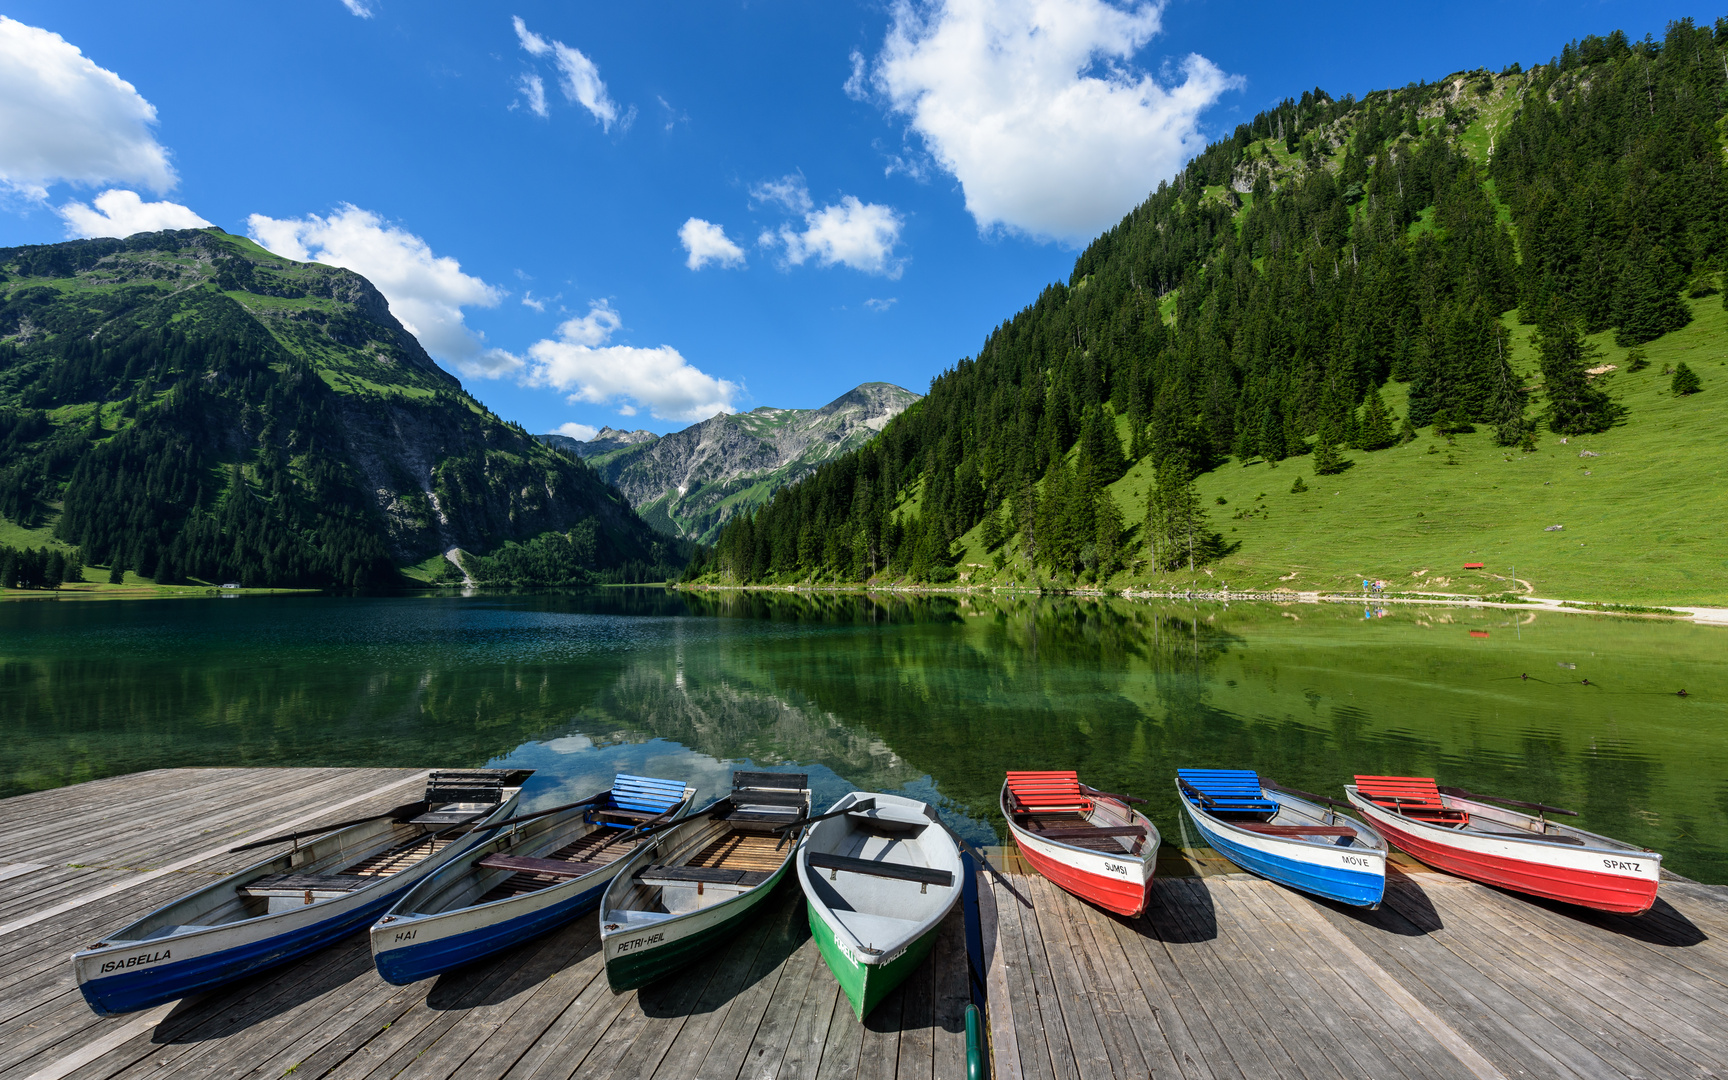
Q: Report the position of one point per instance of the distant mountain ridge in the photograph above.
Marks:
(691, 482)
(189, 405)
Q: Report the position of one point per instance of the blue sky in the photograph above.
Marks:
(637, 215)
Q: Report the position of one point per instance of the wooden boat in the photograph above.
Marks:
(1090, 842)
(528, 879)
(1506, 848)
(690, 887)
(290, 904)
(1284, 838)
(879, 875)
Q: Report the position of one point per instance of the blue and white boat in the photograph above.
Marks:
(525, 881)
(293, 903)
(1273, 833)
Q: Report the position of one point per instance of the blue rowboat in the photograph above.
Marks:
(292, 903)
(525, 881)
(1275, 834)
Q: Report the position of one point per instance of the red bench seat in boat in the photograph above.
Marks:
(1050, 792)
(1414, 797)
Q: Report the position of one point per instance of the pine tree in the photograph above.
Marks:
(117, 572)
(1647, 303)
(1574, 406)
(1685, 381)
(1377, 430)
(1108, 537)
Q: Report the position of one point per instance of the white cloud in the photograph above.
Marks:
(122, 213)
(529, 301)
(579, 432)
(426, 292)
(790, 191)
(706, 242)
(858, 234)
(62, 118)
(578, 77)
(582, 364)
(362, 8)
(534, 93)
(854, 85)
(875, 304)
(1032, 106)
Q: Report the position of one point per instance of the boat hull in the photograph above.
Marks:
(410, 948)
(638, 954)
(867, 983)
(1117, 882)
(1349, 875)
(133, 975)
(1620, 881)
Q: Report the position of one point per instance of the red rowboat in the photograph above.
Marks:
(1508, 849)
(1089, 842)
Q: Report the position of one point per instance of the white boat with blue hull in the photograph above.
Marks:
(530, 878)
(291, 904)
(1272, 832)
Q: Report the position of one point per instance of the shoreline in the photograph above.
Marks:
(1700, 615)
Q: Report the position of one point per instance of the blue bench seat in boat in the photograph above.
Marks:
(645, 794)
(1226, 789)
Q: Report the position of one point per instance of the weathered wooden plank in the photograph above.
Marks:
(1121, 1048)
(879, 1038)
(735, 1033)
(805, 1048)
(582, 973)
(1181, 1023)
(951, 987)
(917, 1057)
(1035, 1011)
(1004, 1044)
(775, 1031)
(840, 1046)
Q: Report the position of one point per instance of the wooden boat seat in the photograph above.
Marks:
(299, 884)
(898, 871)
(1226, 790)
(1049, 791)
(758, 821)
(702, 875)
(551, 867)
(648, 796)
(1295, 830)
(1414, 797)
(623, 817)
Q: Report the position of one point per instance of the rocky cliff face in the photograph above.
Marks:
(608, 440)
(689, 483)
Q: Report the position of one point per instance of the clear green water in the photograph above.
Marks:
(936, 696)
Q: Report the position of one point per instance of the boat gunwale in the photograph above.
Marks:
(1381, 845)
(1452, 802)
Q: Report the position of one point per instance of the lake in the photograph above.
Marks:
(935, 696)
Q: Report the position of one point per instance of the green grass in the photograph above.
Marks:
(14, 535)
(1643, 522)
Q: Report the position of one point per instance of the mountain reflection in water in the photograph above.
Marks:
(937, 695)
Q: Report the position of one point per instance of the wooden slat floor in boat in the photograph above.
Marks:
(743, 851)
(400, 858)
(764, 1007)
(597, 847)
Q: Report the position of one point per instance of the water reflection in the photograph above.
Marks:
(936, 695)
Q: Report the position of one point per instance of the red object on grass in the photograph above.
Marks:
(1475, 566)
(1478, 633)
(1505, 848)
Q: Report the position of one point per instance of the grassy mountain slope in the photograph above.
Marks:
(1317, 293)
(192, 406)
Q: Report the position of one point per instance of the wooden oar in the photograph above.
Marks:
(1109, 795)
(1460, 793)
(404, 811)
(644, 829)
(785, 830)
(984, 862)
(539, 813)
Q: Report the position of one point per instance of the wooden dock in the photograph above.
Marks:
(1227, 975)
(76, 861)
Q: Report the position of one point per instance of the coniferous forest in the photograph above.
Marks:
(1258, 306)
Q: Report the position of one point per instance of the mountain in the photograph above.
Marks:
(1499, 258)
(190, 405)
(605, 441)
(692, 482)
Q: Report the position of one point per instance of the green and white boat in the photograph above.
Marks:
(691, 888)
(879, 881)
